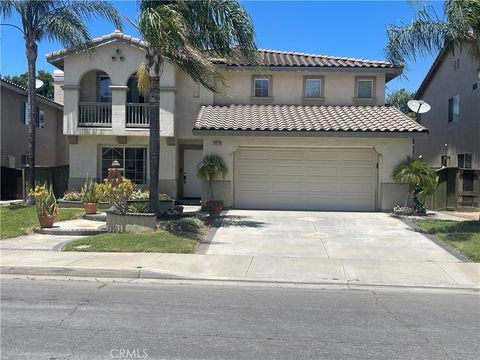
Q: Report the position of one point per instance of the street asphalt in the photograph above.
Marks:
(46, 319)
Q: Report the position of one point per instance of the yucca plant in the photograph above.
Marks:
(90, 193)
(211, 167)
(422, 180)
(45, 201)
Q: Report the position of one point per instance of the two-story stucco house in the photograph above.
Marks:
(452, 88)
(307, 132)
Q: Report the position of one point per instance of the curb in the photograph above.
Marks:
(66, 232)
(151, 275)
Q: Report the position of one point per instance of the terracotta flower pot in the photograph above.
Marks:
(214, 207)
(46, 221)
(90, 208)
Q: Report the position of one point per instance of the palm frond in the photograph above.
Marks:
(223, 28)
(67, 28)
(428, 34)
(143, 79)
(7, 8)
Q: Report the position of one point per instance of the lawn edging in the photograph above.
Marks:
(432, 238)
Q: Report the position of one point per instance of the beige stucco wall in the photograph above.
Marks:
(391, 152)
(80, 85)
(287, 87)
(50, 147)
(85, 160)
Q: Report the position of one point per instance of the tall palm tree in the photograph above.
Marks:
(60, 20)
(428, 34)
(188, 34)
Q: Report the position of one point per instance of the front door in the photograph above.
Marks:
(192, 185)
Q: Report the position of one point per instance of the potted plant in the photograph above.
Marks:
(211, 167)
(90, 196)
(45, 204)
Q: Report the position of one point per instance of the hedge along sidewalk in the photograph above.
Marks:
(17, 220)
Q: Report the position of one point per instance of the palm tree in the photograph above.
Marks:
(428, 34)
(421, 179)
(60, 20)
(212, 166)
(188, 34)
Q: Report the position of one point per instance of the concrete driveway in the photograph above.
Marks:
(335, 235)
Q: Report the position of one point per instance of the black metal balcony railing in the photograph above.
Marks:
(137, 115)
(94, 114)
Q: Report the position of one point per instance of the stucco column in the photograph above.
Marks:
(119, 99)
(71, 95)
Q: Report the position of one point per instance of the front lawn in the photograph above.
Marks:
(17, 220)
(463, 236)
(157, 241)
(181, 236)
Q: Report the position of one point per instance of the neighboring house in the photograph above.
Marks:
(306, 132)
(51, 148)
(452, 88)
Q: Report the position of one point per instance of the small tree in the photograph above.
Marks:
(422, 180)
(399, 98)
(212, 167)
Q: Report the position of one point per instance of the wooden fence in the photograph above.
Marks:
(56, 175)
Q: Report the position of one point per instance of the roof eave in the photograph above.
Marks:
(316, 133)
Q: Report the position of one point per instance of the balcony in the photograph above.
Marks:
(137, 115)
(95, 114)
(99, 115)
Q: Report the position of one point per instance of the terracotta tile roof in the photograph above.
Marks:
(275, 58)
(305, 119)
(271, 58)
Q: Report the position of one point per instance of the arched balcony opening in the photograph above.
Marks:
(95, 103)
(137, 106)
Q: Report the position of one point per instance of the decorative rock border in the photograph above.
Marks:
(73, 232)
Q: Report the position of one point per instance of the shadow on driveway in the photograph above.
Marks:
(228, 221)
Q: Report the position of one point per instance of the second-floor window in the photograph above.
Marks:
(454, 108)
(365, 88)
(464, 161)
(40, 123)
(261, 87)
(313, 88)
(104, 92)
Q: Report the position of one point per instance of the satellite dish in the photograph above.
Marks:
(418, 106)
(38, 83)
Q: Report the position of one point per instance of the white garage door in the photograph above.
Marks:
(305, 179)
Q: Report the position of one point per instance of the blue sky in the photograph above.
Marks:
(340, 28)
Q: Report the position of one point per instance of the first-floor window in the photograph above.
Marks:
(464, 161)
(133, 160)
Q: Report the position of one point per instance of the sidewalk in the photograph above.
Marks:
(426, 274)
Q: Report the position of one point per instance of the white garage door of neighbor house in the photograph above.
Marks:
(305, 179)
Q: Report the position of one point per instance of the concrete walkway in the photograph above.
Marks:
(347, 272)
